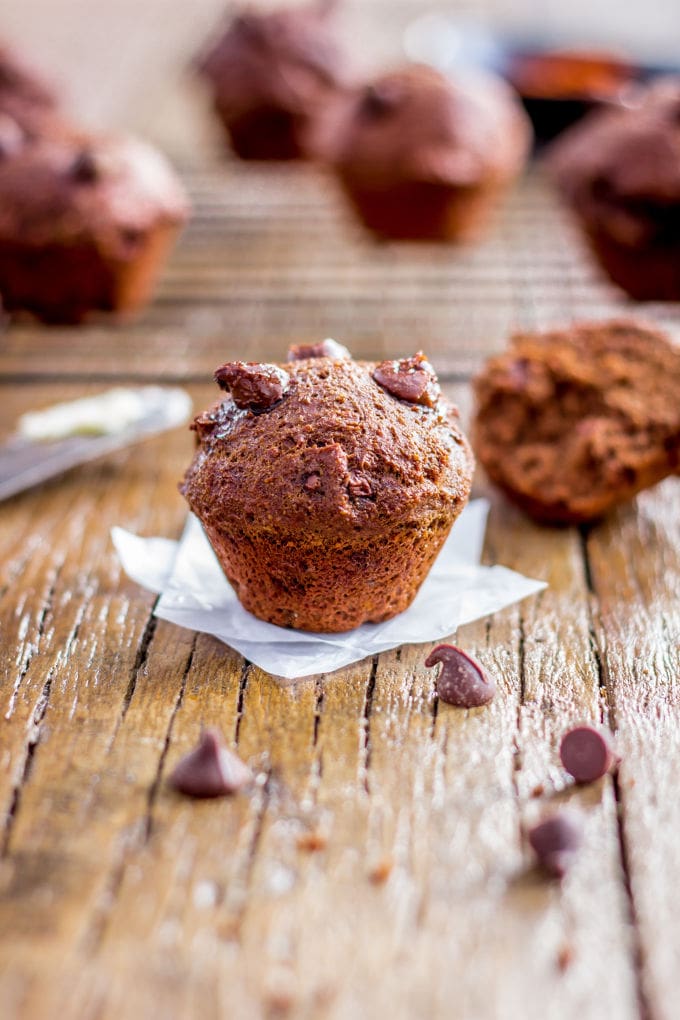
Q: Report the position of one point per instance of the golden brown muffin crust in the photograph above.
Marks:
(327, 506)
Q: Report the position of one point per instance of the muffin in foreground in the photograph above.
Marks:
(327, 486)
(619, 171)
(421, 156)
(573, 422)
(85, 223)
(272, 74)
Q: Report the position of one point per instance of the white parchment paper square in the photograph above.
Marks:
(196, 594)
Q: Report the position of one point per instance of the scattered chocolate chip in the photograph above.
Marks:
(326, 349)
(555, 842)
(359, 486)
(253, 386)
(587, 753)
(411, 379)
(565, 957)
(210, 770)
(381, 871)
(85, 168)
(11, 137)
(381, 99)
(312, 842)
(538, 790)
(462, 681)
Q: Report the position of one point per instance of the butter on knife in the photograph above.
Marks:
(51, 441)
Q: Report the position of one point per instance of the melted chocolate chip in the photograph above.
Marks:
(555, 842)
(85, 169)
(312, 483)
(587, 753)
(381, 99)
(11, 137)
(210, 770)
(359, 486)
(253, 386)
(204, 424)
(412, 379)
(462, 681)
(325, 349)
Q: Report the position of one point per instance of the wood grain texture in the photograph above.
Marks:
(155, 902)
(378, 867)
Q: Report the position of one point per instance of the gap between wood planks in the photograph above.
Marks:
(107, 902)
(608, 718)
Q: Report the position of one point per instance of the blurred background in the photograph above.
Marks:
(137, 52)
(271, 255)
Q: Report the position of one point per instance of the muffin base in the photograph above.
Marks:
(649, 273)
(312, 586)
(64, 283)
(268, 133)
(424, 210)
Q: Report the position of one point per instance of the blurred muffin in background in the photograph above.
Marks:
(619, 171)
(272, 74)
(423, 156)
(85, 223)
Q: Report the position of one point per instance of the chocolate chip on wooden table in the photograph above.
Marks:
(325, 349)
(411, 379)
(210, 770)
(555, 842)
(462, 681)
(252, 386)
(587, 753)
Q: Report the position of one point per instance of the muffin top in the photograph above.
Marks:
(417, 124)
(328, 444)
(107, 189)
(281, 58)
(620, 167)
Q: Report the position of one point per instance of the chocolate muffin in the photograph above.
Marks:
(327, 486)
(572, 422)
(272, 74)
(619, 170)
(84, 224)
(421, 156)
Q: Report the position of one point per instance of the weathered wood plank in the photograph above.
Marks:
(635, 566)
(86, 628)
(359, 759)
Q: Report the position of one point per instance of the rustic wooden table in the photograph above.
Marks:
(379, 868)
